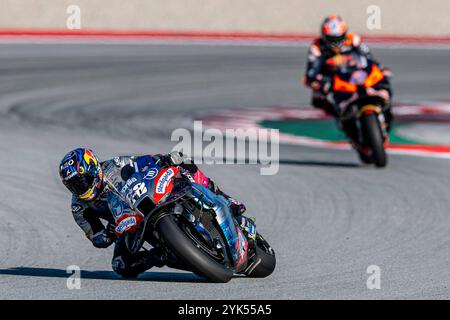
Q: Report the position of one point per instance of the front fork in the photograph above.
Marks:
(359, 141)
(383, 125)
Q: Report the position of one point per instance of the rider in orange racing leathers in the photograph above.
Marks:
(336, 40)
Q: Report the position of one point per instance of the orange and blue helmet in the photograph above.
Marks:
(334, 31)
(81, 173)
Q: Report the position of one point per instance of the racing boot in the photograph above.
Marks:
(237, 208)
(248, 226)
(130, 266)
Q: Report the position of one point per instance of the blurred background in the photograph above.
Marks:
(399, 17)
(328, 217)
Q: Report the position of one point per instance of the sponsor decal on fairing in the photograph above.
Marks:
(126, 224)
(128, 184)
(164, 181)
(151, 174)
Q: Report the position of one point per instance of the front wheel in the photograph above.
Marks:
(374, 138)
(191, 254)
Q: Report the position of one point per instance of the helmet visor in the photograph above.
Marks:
(80, 184)
(335, 41)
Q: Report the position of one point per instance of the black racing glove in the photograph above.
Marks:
(175, 158)
(110, 231)
(325, 85)
(104, 238)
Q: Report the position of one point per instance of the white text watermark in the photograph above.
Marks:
(74, 280)
(73, 21)
(231, 146)
(374, 280)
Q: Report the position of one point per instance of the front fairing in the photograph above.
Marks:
(133, 200)
(150, 181)
(356, 73)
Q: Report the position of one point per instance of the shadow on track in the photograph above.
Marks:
(314, 163)
(103, 275)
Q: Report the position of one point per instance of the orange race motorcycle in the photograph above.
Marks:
(360, 92)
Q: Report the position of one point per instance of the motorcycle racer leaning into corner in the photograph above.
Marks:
(82, 173)
(336, 41)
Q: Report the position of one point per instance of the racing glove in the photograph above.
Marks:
(104, 238)
(110, 231)
(321, 84)
(176, 158)
(325, 85)
(387, 72)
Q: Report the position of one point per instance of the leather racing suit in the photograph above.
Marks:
(317, 70)
(90, 214)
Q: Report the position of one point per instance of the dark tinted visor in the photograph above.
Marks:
(333, 41)
(80, 184)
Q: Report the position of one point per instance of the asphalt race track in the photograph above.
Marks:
(327, 217)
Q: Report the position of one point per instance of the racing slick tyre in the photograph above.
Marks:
(190, 253)
(264, 261)
(364, 157)
(374, 138)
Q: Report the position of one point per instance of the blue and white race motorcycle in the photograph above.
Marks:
(171, 210)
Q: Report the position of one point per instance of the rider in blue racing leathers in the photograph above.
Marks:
(82, 173)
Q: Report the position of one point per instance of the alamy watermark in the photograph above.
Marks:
(374, 280)
(231, 146)
(373, 21)
(74, 280)
(73, 21)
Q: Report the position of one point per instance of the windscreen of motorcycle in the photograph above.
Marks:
(358, 77)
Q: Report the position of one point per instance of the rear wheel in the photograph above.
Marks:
(264, 261)
(190, 251)
(374, 138)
